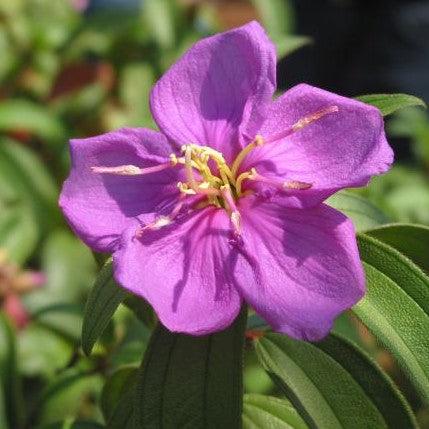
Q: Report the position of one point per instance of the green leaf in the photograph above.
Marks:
(102, 303)
(396, 308)
(3, 414)
(28, 116)
(376, 383)
(159, 18)
(19, 230)
(117, 398)
(261, 412)
(361, 211)
(390, 103)
(68, 395)
(70, 270)
(409, 239)
(276, 16)
(321, 390)
(72, 424)
(10, 383)
(28, 199)
(188, 381)
(42, 352)
(286, 45)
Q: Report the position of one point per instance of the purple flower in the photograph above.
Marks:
(225, 203)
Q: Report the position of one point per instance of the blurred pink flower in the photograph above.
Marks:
(79, 5)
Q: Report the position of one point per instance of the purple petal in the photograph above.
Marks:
(99, 207)
(221, 82)
(301, 267)
(341, 149)
(183, 271)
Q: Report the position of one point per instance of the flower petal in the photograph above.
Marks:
(221, 82)
(341, 149)
(99, 207)
(301, 267)
(183, 271)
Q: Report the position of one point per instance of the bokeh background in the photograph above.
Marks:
(75, 68)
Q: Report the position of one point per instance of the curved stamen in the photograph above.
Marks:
(257, 141)
(131, 170)
(284, 186)
(302, 123)
(240, 178)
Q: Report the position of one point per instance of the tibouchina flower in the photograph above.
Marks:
(225, 203)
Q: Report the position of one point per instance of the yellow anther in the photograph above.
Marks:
(184, 189)
(173, 159)
(295, 184)
(257, 141)
(236, 221)
(204, 185)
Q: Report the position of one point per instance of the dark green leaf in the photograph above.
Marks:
(321, 390)
(262, 412)
(193, 382)
(409, 239)
(390, 103)
(118, 398)
(102, 303)
(361, 211)
(72, 424)
(376, 384)
(3, 414)
(396, 307)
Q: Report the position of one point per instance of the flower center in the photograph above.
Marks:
(209, 176)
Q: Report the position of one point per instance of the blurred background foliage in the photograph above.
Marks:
(75, 68)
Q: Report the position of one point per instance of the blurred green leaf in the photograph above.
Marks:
(390, 103)
(28, 199)
(261, 412)
(67, 394)
(10, 382)
(160, 21)
(41, 352)
(409, 239)
(117, 398)
(276, 15)
(361, 211)
(65, 319)
(286, 45)
(70, 269)
(192, 381)
(322, 391)
(376, 384)
(102, 302)
(136, 83)
(24, 115)
(19, 232)
(396, 308)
